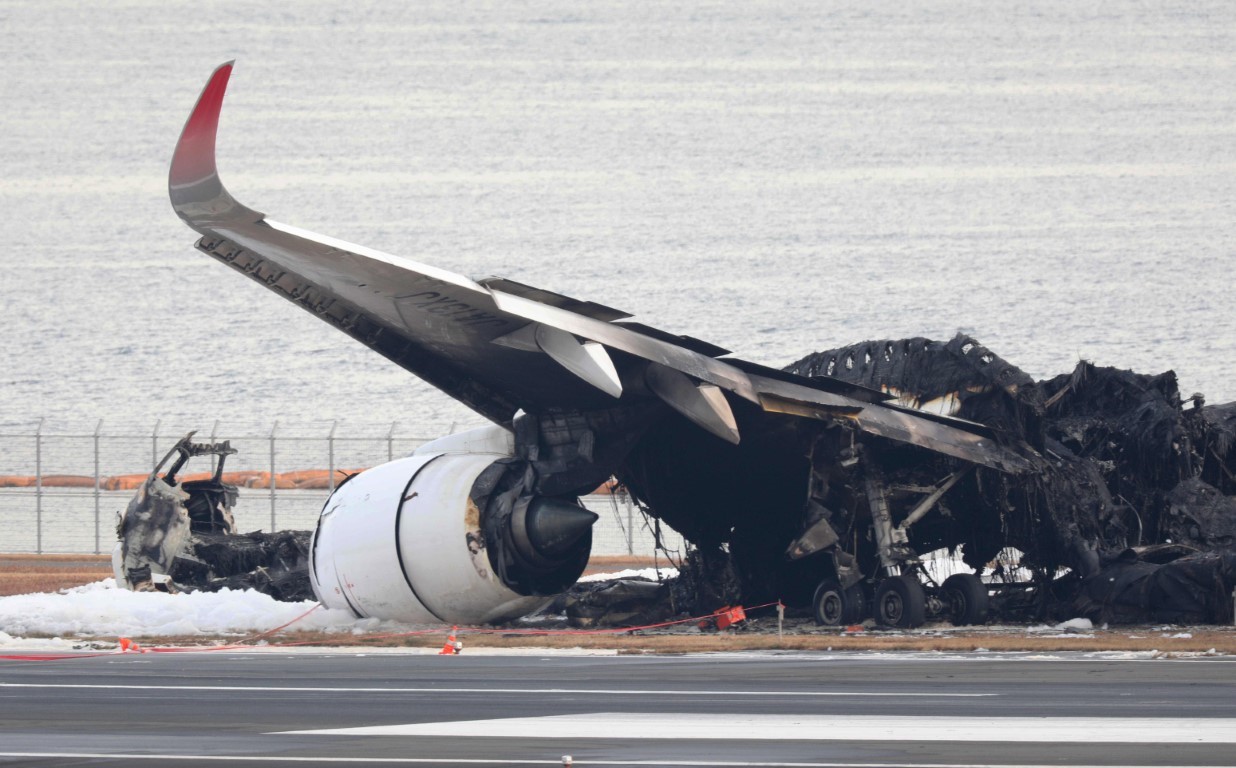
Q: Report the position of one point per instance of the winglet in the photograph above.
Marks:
(193, 184)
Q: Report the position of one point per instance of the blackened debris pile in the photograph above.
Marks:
(1126, 462)
(1160, 584)
(178, 535)
(634, 602)
(276, 564)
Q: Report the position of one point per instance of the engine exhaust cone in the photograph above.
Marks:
(554, 525)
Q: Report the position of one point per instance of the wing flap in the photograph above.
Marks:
(691, 363)
(895, 424)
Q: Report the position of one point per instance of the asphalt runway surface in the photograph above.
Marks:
(807, 709)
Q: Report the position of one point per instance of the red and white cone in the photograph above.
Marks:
(452, 646)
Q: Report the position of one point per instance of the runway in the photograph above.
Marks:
(826, 709)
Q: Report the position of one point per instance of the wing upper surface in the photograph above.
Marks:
(497, 345)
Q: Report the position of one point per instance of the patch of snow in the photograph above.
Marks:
(10, 643)
(102, 609)
(1075, 625)
(652, 574)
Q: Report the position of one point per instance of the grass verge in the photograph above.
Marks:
(1220, 641)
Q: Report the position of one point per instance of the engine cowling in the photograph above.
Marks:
(446, 536)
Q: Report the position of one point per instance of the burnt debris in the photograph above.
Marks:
(1127, 513)
(1126, 463)
(179, 535)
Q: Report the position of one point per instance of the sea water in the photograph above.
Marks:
(1053, 178)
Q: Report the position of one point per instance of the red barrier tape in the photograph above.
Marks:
(240, 645)
(51, 656)
(541, 632)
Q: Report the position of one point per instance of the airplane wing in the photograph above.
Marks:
(500, 346)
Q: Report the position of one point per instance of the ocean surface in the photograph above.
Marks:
(1057, 179)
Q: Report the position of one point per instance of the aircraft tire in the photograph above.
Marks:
(837, 606)
(901, 602)
(967, 599)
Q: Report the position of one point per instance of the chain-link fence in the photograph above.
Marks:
(63, 491)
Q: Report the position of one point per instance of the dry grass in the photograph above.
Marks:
(25, 557)
(1202, 641)
(34, 577)
(628, 561)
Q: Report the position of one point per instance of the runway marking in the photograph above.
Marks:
(517, 761)
(539, 691)
(746, 727)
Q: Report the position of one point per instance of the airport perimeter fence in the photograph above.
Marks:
(63, 492)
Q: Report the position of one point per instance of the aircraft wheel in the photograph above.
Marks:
(967, 599)
(901, 602)
(836, 606)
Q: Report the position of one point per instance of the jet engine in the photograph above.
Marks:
(452, 533)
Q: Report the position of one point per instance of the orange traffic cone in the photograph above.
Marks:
(452, 646)
(127, 645)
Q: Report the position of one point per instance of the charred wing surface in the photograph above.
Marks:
(585, 396)
(178, 535)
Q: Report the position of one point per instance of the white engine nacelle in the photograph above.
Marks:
(407, 541)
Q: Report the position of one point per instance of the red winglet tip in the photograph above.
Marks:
(195, 152)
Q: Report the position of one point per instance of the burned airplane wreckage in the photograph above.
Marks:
(1133, 488)
(179, 533)
(819, 486)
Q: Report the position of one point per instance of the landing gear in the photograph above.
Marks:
(965, 599)
(901, 602)
(906, 594)
(837, 606)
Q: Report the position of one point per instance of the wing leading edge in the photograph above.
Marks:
(498, 346)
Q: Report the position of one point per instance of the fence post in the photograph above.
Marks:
(98, 429)
(38, 488)
(154, 445)
(274, 427)
(330, 450)
(626, 499)
(214, 460)
(390, 442)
